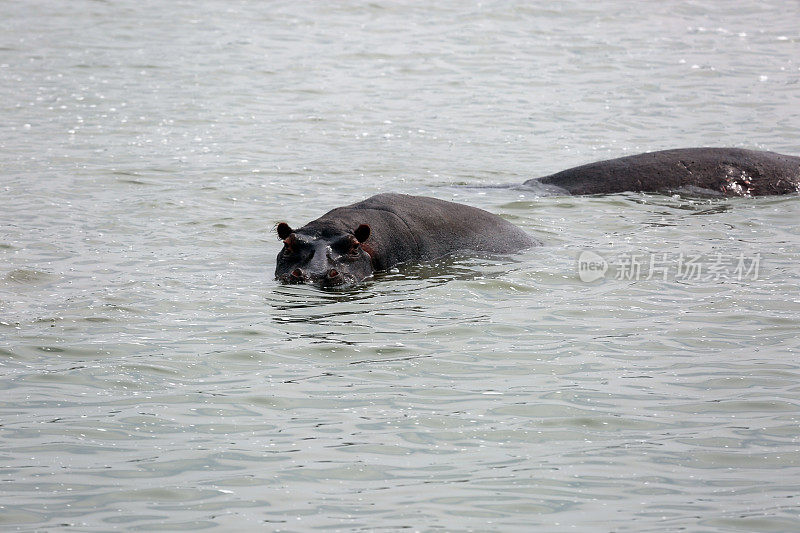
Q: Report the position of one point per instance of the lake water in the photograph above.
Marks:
(155, 377)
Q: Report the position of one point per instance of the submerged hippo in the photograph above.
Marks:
(348, 244)
(723, 171)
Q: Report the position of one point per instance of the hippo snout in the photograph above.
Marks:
(328, 279)
(331, 277)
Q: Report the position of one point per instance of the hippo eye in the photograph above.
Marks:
(354, 249)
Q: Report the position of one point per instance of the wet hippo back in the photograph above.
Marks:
(727, 171)
(414, 228)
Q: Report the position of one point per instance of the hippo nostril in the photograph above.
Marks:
(297, 273)
(333, 273)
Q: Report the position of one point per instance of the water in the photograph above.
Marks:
(155, 377)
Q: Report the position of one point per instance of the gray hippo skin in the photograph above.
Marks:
(725, 171)
(348, 244)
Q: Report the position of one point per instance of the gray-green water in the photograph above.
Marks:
(155, 377)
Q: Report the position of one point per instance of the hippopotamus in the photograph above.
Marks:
(720, 171)
(346, 245)
(350, 243)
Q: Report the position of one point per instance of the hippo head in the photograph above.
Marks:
(326, 259)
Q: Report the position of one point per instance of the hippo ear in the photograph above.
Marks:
(362, 233)
(284, 230)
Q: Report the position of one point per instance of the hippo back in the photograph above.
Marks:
(413, 228)
(727, 171)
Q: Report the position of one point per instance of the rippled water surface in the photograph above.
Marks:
(155, 377)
